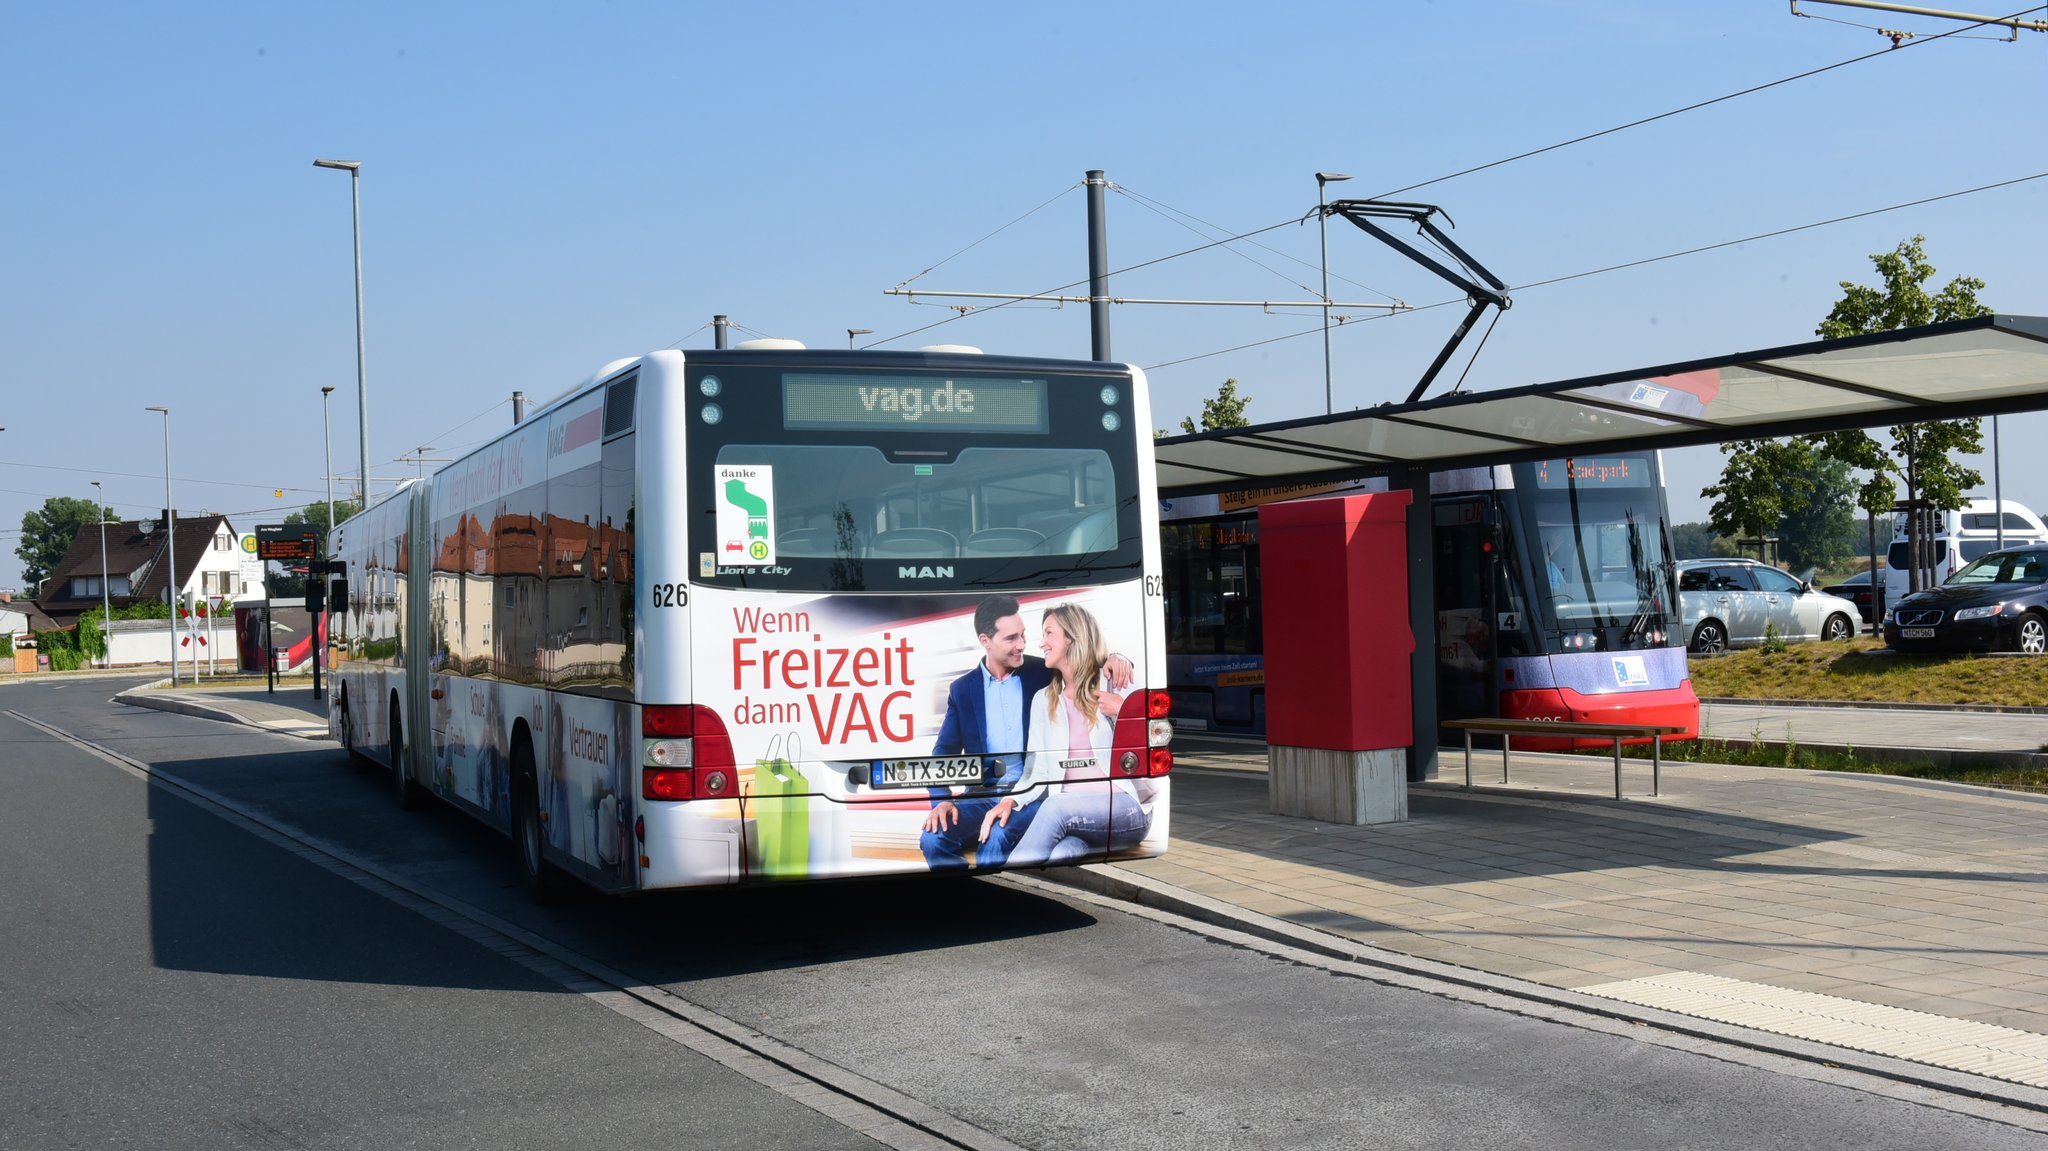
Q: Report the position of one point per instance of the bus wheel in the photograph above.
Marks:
(1837, 627)
(408, 791)
(535, 871)
(356, 759)
(1709, 638)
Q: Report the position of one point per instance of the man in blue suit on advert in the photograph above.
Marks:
(986, 715)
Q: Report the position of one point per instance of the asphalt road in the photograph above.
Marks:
(174, 977)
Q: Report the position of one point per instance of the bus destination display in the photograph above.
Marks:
(819, 401)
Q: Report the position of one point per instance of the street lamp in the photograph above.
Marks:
(1324, 179)
(1997, 496)
(170, 542)
(319, 628)
(327, 442)
(852, 332)
(99, 497)
(354, 170)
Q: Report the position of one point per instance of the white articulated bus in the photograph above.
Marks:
(766, 614)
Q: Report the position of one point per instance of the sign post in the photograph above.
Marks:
(291, 542)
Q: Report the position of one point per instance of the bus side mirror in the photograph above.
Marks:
(338, 591)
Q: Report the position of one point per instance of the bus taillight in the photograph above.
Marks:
(685, 753)
(1143, 732)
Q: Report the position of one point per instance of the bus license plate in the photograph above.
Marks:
(937, 771)
(1916, 633)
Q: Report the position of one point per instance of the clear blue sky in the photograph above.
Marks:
(547, 188)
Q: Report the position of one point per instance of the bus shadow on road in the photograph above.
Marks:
(679, 937)
(226, 901)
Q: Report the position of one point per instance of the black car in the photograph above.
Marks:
(1998, 603)
(1856, 589)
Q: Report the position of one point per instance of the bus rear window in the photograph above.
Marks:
(843, 516)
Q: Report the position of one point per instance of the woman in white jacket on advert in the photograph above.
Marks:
(1073, 808)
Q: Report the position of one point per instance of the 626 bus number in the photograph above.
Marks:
(671, 595)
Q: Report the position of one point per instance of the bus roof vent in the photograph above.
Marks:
(602, 372)
(771, 345)
(954, 349)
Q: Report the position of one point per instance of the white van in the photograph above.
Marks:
(1960, 536)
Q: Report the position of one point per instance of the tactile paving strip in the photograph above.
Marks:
(1958, 1044)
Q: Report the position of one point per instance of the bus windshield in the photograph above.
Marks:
(1600, 561)
(816, 487)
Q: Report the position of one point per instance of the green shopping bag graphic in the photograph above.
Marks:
(784, 820)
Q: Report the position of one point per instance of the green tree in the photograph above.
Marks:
(322, 518)
(1921, 457)
(1762, 482)
(1820, 530)
(1224, 411)
(1698, 541)
(47, 534)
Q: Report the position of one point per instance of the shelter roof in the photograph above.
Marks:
(1989, 365)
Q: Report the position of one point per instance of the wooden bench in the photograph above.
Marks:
(1507, 729)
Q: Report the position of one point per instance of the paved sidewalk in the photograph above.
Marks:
(1895, 923)
(290, 710)
(1902, 918)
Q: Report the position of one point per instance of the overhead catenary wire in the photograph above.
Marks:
(1784, 231)
(1534, 284)
(963, 312)
(1077, 283)
(1753, 89)
(677, 342)
(1898, 35)
(1168, 212)
(495, 405)
(942, 263)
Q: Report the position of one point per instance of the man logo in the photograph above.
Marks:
(924, 572)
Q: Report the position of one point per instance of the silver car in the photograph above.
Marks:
(1736, 603)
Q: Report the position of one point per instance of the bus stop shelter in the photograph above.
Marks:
(1985, 366)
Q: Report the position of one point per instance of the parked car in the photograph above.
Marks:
(1957, 537)
(1999, 602)
(1738, 603)
(1858, 590)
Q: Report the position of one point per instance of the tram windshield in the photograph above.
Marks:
(1599, 557)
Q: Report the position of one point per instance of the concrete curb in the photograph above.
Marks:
(147, 696)
(1122, 885)
(1878, 705)
(1939, 756)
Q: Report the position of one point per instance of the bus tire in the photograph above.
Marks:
(356, 759)
(408, 791)
(528, 839)
(1710, 638)
(1838, 627)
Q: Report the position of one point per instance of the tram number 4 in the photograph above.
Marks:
(671, 595)
(1154, 586)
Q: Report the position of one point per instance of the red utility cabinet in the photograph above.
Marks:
(1334, 574)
